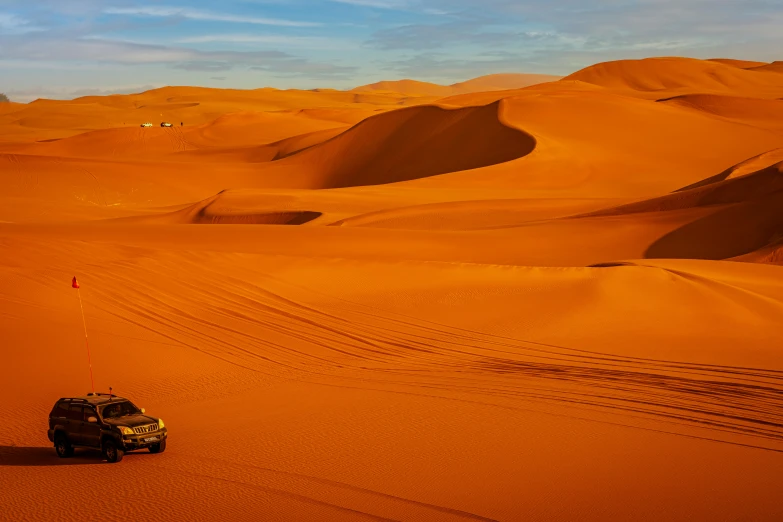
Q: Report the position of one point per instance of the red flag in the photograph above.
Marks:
(75, 283)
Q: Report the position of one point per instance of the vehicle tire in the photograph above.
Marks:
(111, 452)
(160, 447)
(62, 446)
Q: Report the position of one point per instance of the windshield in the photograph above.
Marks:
(119, 409)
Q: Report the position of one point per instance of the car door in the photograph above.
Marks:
(59, 416)
(91, 431)
(75, 422)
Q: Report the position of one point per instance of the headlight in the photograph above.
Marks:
(126, 431)
(160, 424)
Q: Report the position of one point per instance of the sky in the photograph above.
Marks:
(70, 48)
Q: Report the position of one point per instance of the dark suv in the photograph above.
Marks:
(105, 421)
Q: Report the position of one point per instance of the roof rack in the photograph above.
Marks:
(99, 394)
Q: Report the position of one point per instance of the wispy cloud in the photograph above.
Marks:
(311, 42)
(12, 24)
(180, 58)
(379, 4)
(202, 15)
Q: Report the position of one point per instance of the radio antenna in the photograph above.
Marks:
(75, 284)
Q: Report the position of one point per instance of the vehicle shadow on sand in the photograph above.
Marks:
(46, 456)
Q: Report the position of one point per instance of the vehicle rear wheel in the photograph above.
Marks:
(160, 447)
(112, 452)
(63, 447)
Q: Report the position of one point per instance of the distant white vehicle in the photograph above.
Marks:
(166, 124)
(148, 124)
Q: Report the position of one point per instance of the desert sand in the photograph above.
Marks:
(496, 300)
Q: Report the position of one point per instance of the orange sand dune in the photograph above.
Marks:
(501, 82)
(232, 208)
(491, 82)
(51, 119)
(749, 166)
(744, 216)
(233, 130)
(409, 87)
(741, 64)
(671, 76)
(763, 113)
(415, 143)
(591, 144)
(776, 66)
(559, 301)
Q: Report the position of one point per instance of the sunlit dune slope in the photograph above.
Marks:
(52, 119)
(660, 77)
(491, 82)
(233, 207)
(408, 87)
(776, 66)
(234, 130)
(472, 215)
(492, 372)
(501, 82)
(259, 153)
(759, 112)
(741, 64)
(10, 107)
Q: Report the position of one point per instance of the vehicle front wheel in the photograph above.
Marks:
(63, 447)
(112, 452)
(160, 447)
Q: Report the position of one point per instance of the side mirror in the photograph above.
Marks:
(93, 420)
(143, 410)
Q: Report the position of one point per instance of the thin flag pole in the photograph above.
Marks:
(75, 284)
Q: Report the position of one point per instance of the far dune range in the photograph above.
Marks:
(518, 297)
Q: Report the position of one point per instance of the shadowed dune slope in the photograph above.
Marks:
(749, 187)
(414, 143)
(732, 230)
(749, 166)
(742, 215)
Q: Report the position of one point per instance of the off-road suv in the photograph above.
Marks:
(105, 421)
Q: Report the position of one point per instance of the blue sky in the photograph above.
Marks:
(67, 48)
